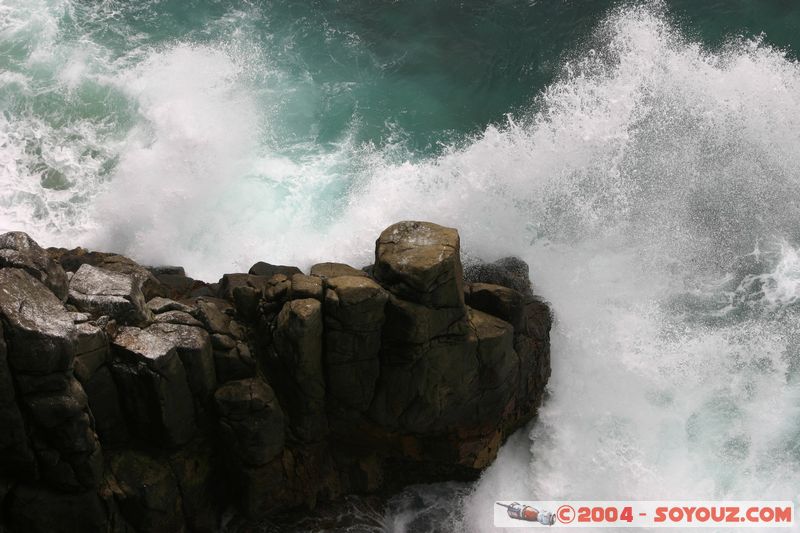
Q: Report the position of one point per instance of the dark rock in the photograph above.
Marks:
(278, 289)
(168, 270)
(106, 408)
(37, 509)
(265, 269)
(16, 456)
(200, 498)
(103, 292)
(502, 302)
(18, 250)
(245, 291)
(334, 270)
(354, 315)
(409, 325)
(362, 384)
(40, 333)
(146, 492)
(222, 342)
(32, 384)
(64, 439)
(510, 272)
(181, 286)
(153, 386)
(234, 363)
(458, 382)
(298, 343)
(251, 421)
(230, 282)
(420, 262)
(203, 289)
(160, 305)
(212, 313)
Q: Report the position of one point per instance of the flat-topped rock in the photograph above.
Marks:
(420, 262)
(103, 292)
(143, 345)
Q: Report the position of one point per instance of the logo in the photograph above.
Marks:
(646, 514)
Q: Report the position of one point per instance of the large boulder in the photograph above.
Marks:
(18, 250)
(354, 316)
(154, 387)
(102, 292)
(298, 343)
(73, 259)
(420, 262)
(251, 421)
(40, 333)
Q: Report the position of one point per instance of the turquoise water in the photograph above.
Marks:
(240, 107)
(644, 158)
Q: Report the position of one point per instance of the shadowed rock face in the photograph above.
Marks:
(268, 390)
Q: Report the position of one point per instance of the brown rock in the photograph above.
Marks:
(354, 316)
(334, 270)
(420, 262)
(306, 287)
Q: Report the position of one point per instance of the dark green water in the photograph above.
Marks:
(426, 72)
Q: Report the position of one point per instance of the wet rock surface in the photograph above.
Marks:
(151, 401)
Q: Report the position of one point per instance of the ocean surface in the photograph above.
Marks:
(644, 158)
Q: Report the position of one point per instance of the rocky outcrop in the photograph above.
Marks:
(151, 401)
(102, 292)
